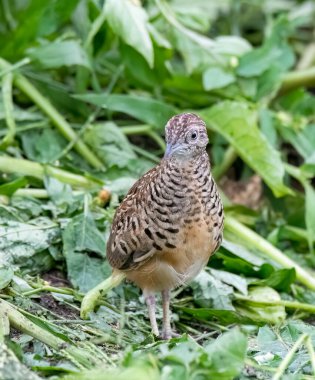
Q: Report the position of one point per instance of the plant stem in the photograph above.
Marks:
(251, 238)
(23, 324)
(90, 299)
(47, 288)
(8, 110)
(287, 359)
(57, 119)
(310, 348)
(288, 304)
(136, 129)
(230, 156)
(37, 193)
(301, 78)
(34, 169)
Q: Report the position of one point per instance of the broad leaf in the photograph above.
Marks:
(60, 53)
(210, 291)
(81, 239)
(110, 143)
(20, 241)
(274, 53)
(129, 21)
(216, 77)
(237, 123)
(227, 354)
(148, 110)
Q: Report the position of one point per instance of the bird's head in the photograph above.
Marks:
(186, 136)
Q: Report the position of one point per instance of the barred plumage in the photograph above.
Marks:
(171, 220)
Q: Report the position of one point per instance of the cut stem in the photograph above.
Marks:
(21, 323)
(90, 299)
(34, 169)
(252, 239)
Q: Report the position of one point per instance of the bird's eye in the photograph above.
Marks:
(192, 136)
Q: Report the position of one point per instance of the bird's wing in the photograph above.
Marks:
(131, 242)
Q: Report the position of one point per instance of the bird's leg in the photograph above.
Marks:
(150, 301)
(167, 331)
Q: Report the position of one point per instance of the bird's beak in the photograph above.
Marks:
(168, 150)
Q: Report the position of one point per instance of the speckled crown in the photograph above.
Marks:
(176, 128)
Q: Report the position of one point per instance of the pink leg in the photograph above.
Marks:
(150, 301)
(167, 331)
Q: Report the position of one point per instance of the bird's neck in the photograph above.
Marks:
(199, 163)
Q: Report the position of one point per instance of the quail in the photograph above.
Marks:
(171, 220)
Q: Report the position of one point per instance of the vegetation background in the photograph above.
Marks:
(87, 87)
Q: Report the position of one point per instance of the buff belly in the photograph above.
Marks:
(174, 267)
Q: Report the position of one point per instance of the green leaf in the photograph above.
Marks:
(210, 291)
(60, 53)
(81, 238)
(225, 317)
(238, 282)
(263, 314)
(20, 241)
(280, 279)
(227, 355)
(216, 77)
(43, 145)
(129, 21)
(6, 275)
(111, 145)
(11, 187)
(275, 52)
(151, 111)
(237, 123)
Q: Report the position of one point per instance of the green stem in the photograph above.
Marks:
(47, 288)
(90, 299)
(311, 352)
(57, 119)
(8, 110)
(95, 27)
(288, 304)
(136, 129)
(301, 78)
(230, 156)
(21, 323)
(251, 238)
(37, 193)
(288, 358)
(34, 169)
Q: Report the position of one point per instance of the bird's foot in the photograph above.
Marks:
(169, 334)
